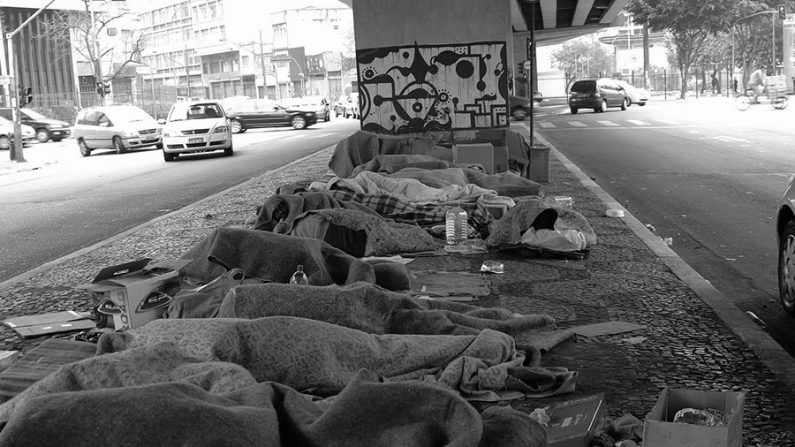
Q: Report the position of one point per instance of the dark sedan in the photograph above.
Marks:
(46, 128)
(257, 113)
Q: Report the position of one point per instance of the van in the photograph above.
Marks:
(597, 94)
(119, 128)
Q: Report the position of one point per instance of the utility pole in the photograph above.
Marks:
(264, 71)
(16, 148)
(187, 72)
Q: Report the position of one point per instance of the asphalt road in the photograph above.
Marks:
(701, 173)
(74, 202)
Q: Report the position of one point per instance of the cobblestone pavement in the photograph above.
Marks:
(684, 343)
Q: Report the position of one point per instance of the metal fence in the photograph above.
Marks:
(156, 101)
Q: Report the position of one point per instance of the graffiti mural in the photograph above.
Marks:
(433, 87)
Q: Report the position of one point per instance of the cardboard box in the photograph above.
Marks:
(480, 153)
(135, 293)
(573, 423)
(661, 431)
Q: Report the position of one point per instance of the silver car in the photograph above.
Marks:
(785, 231)
(198, 126)
(119, 128)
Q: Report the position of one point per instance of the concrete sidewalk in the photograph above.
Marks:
(691, 336)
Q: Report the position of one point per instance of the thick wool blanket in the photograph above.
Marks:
(509, 229)
(273, 257)
(374, 310)
(383, 237)
(279, 211)
(124, 399)
(504, 183)
(410, 189)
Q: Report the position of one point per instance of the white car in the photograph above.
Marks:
(636, 95)
(117, 127)
(785, 233)
(196, 126)
(7, 133)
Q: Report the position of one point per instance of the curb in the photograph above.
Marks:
(50, 264)
(760, 342)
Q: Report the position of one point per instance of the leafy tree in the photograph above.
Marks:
(688, 22)
(584, 57)
(75, 30)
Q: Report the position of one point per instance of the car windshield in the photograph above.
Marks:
(182, 112)
(128, 114)
(584, 86)
(34, 114)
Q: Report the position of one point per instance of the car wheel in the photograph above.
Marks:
(574, 110)
(786, 267)
(159, 146)
(519, 113)
(118, 145)
(56, 139)
(169, 157)
(298, 122)
(602, 107)
(624, 104)
(229, 151)
(43, 135)
(642, 103)
(84, 150)
(237, 126)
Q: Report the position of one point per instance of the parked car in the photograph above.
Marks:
(597, 94)
(120, 127)
(520, 106)
(317, 104)
(785, 232)
(198, 126)
(348, 106)
(636, 95)
(7, 133)
(46, 128)
(254, 113)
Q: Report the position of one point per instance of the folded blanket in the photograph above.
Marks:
(409, 189)
(374, 310)
(365, 413)
(362, 147)
(382, 237)
(321, 358)
(504, 183)
(509, 229)
(273, 257)
(388, 164)
(279, 211)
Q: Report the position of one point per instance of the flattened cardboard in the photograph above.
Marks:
(659, 430)
(46, 318)
(54, 328)
(480, 153)
(449, 285)
(606, 328)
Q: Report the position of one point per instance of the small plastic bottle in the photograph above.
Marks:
(456, 230)
(299, 277)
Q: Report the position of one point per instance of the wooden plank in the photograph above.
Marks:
(40, 362)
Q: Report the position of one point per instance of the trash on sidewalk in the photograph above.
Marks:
(660, 430)
(492, 267)
(614, 213)
(756, 319)
(573, 423)
(135, 293)
(50, 323)
(605, 328)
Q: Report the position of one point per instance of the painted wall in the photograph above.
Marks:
(440, 70)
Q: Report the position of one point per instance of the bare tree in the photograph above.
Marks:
(82, 31)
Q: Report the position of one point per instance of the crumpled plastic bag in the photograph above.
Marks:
(558, 240)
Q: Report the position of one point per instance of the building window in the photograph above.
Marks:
(235, 65)
(244, 61)
(214, 67)
(213, 10)
(224, 66)
(204, 69)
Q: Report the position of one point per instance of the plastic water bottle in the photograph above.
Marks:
(299, 277)
(456, 230)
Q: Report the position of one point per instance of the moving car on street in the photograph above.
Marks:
(7, 133)
(198, 126)
(636, 95)
(257, 113)
(597, 94)
(520, 106)
(46, 128)
(119, 128)
(785, 232)
(317, 104)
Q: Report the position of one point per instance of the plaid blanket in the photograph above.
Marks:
(395, 208)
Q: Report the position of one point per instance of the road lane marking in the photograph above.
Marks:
(728, 139)
(577, 124)
(292, 137)
(607, 123)
(669, 122)
(546, 125)
(638, 122)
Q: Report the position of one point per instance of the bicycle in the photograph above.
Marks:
(776, 98)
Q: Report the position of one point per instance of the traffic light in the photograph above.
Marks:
(782, 12)
(25, 96)
(100, 89)
(106, 88)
